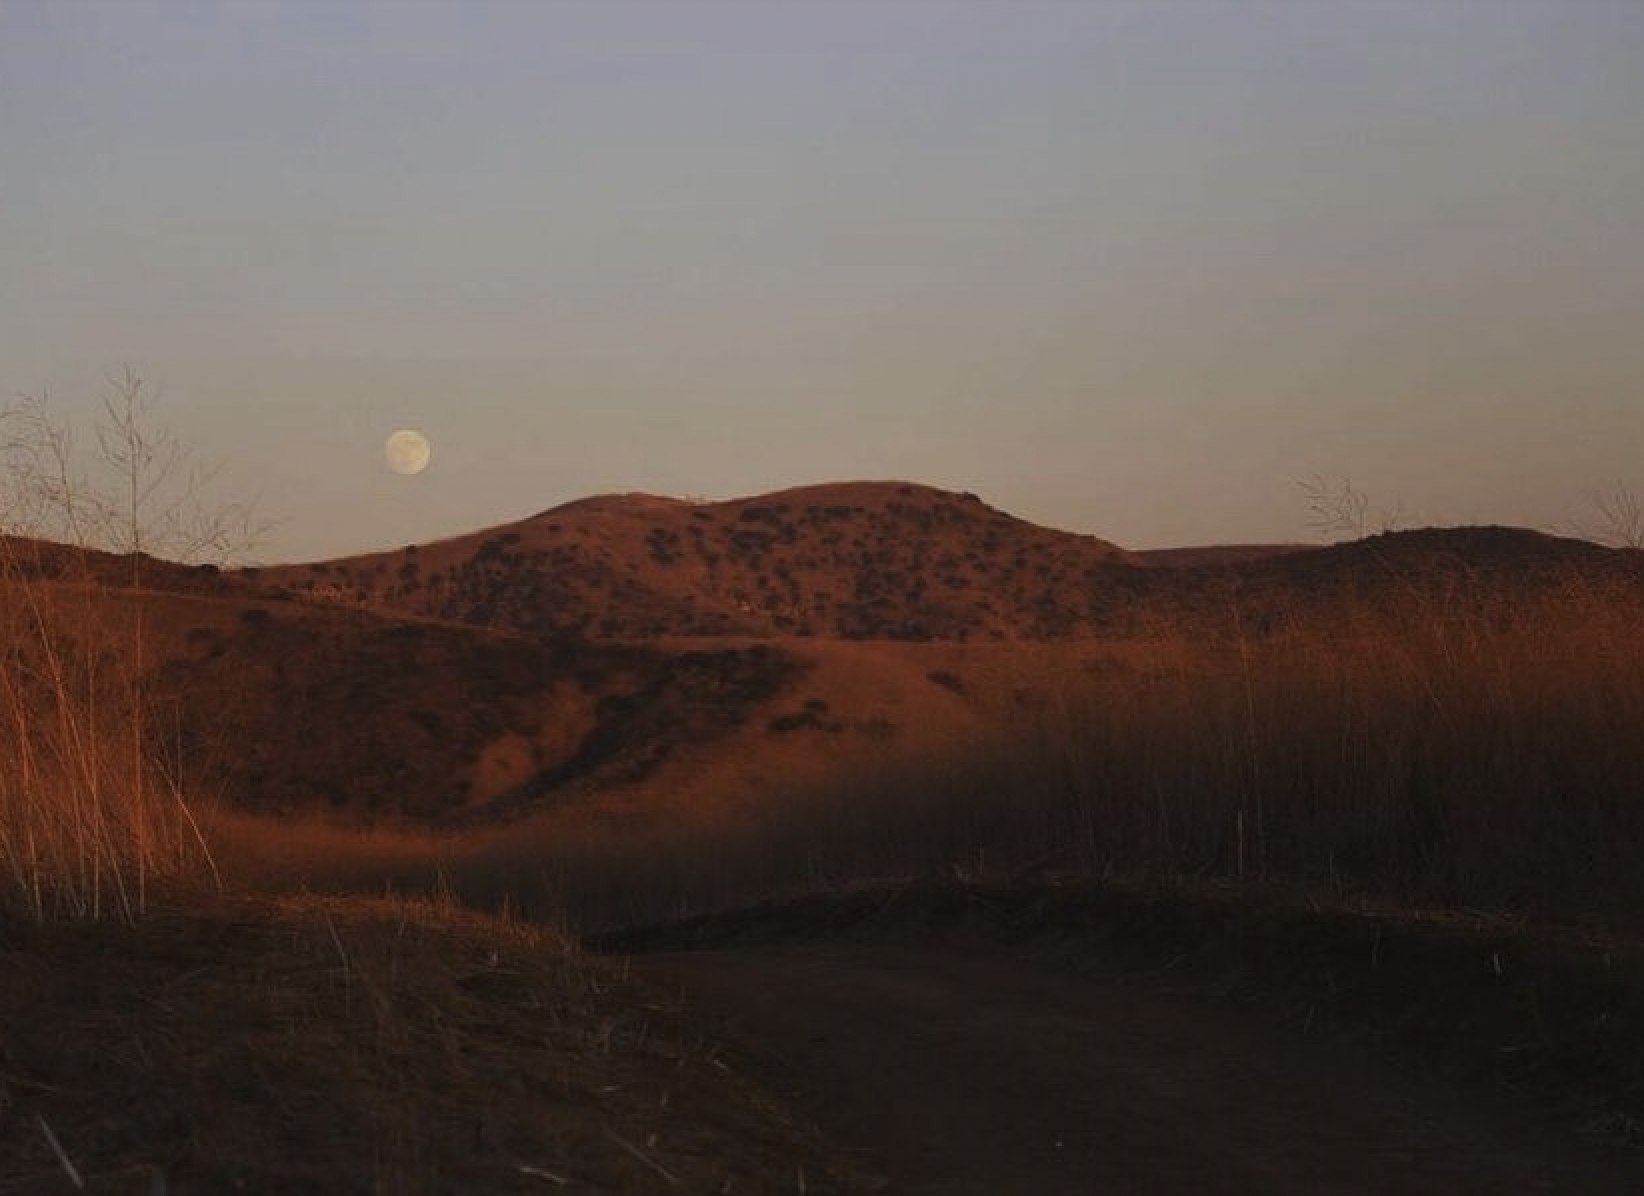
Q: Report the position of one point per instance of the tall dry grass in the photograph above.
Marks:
(1446, 741)
(91, 821)
(1456, 752)
(1458, 748)
(91, 814)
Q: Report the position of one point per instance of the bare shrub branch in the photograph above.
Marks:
(1341, 509)
(91, 813)
(1617, 519)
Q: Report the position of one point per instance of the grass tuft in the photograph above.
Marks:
(370, 1045)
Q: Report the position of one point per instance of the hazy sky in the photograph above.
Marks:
(1124, 268)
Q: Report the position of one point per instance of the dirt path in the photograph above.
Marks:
(976, 1073)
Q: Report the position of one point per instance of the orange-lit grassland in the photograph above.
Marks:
(1421, 722)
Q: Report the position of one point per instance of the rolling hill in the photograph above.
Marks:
(628, 651)
(891, 561)
(866, 560)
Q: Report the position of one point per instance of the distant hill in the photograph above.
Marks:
(24, 557)
(1500, 562)
(632, 649)
(879, 560)
(1216, 554)
(866, 560)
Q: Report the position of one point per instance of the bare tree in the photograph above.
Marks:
(141, 492)
(160, 506)
(1341, 509)
(90, 809)
(1617, 519)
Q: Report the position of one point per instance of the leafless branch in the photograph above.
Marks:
(1617, 519)
(1341, 509)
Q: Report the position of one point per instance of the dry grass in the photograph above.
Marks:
(92, 816)
(363, 1045)
(1473, 750)
(1465, 747)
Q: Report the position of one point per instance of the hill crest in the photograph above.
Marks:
(866, 560)
(854, 560)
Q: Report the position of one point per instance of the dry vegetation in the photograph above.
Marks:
(1436, 720)
(860, 561)
(1439, 718)
(293, 709)
(92, 815)
(157, 1035)
(1467, 746)
(363, 1045)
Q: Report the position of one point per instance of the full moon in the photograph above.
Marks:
(408, 451)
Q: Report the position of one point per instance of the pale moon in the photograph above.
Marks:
(408, 451)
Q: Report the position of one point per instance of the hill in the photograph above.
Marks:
(372, 716)
(893, 561)
(628, 653)
(1437, 720)
(865, 560)
(284, 707)
(1216, 554)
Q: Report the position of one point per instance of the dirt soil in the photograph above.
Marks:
(979, 1071)
(363, 1047)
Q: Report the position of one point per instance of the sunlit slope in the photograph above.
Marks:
(869, 560)
(289, 707)
(283, 691)
(893, 561)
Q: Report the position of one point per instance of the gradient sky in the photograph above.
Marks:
(1123, 268)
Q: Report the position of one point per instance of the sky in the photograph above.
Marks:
(1134, 269)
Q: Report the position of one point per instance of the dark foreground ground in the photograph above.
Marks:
(958, 1073)
(948, 1040)
(320, 1046)
(1097, 1039)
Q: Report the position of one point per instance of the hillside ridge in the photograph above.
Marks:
(854, 560)
(861, 560)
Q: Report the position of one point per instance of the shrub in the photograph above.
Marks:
(91, 814)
